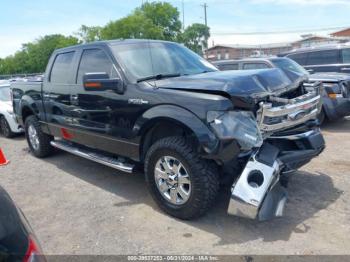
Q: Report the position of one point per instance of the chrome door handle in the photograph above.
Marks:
(345, 69)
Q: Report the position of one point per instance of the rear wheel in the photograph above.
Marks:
(5, 128)
(38, 141)
(184, 185)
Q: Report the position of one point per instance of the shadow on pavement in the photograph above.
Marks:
(308, 194)
(339, 126)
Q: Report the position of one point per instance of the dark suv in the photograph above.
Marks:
(330, 58)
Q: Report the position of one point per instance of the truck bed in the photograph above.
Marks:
(21, 89)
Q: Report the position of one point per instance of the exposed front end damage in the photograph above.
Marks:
(257, 192)
(288, 144)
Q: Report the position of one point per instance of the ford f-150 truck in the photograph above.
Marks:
(128, 103)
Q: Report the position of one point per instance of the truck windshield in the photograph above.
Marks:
(5, 94)
(155, 60)
(290, 65)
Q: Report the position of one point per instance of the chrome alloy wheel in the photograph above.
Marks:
(172, 180)
(33, 137)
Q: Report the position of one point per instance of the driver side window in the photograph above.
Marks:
(95, 61)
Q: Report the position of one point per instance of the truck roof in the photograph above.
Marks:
(111, 43)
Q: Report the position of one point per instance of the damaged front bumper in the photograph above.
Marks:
(257, 193)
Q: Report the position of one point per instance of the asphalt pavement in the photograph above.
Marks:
(80, 207)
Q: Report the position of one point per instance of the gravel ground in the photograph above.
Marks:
(79, 207)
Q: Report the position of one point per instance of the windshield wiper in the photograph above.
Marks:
(157, 77)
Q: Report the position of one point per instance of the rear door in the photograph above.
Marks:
(345, 56)
(323, 61)
(57, 91)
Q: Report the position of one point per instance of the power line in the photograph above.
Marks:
(281, 31)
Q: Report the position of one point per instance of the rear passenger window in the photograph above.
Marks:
(61, 68)
(299, 58)
(323, 57)
(346, 56)
(225, 67)
(251, 66)
(95, 61)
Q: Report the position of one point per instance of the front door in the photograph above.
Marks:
(101, 117)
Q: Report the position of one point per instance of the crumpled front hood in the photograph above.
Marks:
(243, 83)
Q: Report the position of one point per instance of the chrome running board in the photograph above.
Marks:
(84, 152)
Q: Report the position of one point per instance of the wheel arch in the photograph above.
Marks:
(168, 120)
(25, 112)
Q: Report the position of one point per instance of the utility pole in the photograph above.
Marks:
(205, 13)
(183, 15)
(205, 6)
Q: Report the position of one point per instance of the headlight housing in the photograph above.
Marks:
(236, 125)
(337, 90)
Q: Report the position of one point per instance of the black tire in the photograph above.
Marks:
(5, 128)
(321, 117)
(44, 148)
(203, 175)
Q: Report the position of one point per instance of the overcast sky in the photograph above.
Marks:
(22, 21)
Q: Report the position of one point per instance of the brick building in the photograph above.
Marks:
(342, 33)
(219, 52)
(227, 51)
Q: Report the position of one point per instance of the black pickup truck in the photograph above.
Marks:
(156, 104)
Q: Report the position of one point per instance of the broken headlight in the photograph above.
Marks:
(236, 125)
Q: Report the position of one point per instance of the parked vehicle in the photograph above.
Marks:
(17, 240)
(8, 124)
(336, 94)
(327, 58)
(157, 103)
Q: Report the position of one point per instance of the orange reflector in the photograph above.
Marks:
(93, 85)
(332, 95)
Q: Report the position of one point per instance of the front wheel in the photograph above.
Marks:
(321, 117)
(183, 185)
(5, 128)
(38, 141)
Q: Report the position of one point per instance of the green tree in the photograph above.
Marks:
(163, 15)
(89, 33)
(34, 56)
(195, 37)
(132, 26)
(154, 20)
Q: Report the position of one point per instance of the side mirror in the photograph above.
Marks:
(102, 82)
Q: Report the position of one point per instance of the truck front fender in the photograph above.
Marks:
(206, 138)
